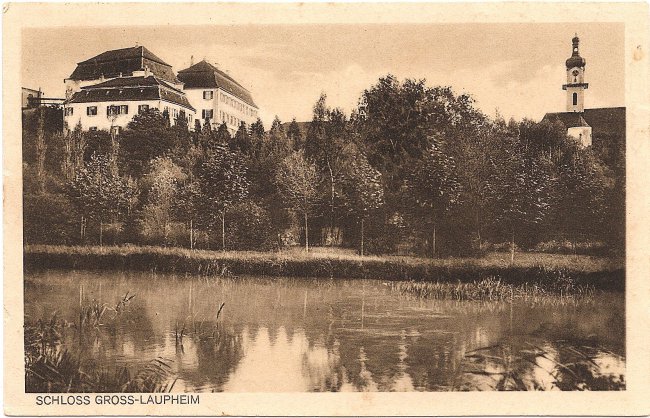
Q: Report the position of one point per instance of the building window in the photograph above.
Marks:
(207, 95)
(69, 111)
(92, 128)
(117, 110)
(143, 108)
(207, 114)
(575, 99)
(115, 130)
(91, 111)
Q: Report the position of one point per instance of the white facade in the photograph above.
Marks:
(95, 115)
(582, 134)
(220, 106)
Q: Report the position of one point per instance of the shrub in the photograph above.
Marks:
(49, 218)
(249, 227)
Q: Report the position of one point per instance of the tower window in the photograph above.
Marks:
(575, 99)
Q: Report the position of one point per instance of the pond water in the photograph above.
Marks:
(287, 334)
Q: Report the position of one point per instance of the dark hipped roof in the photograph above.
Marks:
(206, 75)
(568, 119)
(604, 121)
(129, 89)
(122, 61)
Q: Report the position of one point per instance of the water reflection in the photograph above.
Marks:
(290, 335)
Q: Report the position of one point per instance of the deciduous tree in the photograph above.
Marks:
(297, 181)
(99, 194)
(223, 182)
(435, 187)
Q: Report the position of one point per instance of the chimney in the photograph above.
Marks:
(146, 71)
(191, 60)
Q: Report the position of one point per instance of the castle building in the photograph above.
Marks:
(217, 97)
(585, 125)
(111, 105)
(107, 90)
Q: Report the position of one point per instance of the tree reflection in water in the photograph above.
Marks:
(519, 364)
(336, 335)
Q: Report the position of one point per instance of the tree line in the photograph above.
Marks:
(420, 170)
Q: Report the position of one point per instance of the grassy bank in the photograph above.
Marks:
(603, 273)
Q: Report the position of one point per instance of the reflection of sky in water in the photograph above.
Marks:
(284, 335)
(268, 367)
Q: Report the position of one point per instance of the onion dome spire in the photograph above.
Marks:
(575, 60)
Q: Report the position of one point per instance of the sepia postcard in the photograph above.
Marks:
(307, 209)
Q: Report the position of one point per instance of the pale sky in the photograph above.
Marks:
(515, 68)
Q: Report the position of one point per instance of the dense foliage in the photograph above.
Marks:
(423, 171)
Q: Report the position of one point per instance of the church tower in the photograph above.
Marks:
(575, 77)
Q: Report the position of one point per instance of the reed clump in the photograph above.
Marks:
(50, 368)
(493, 289)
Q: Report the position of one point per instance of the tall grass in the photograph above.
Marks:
(601, 272)
(49, 367)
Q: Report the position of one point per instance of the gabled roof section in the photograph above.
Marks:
(604, 121)
(568, 119)
(122, 62)
(125, 82)
(125, 53)
(205, 75)
(131, 89)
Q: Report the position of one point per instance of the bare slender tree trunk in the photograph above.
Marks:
(361, 237)
(512, 247)
(306, 234)
(433, 242)
(101, 233)
(478, 232)
(114, 152)
(331, 204)
(81, 229)
(191, 234)
(223, 230)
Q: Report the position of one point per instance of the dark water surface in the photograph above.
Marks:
(281, 334)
